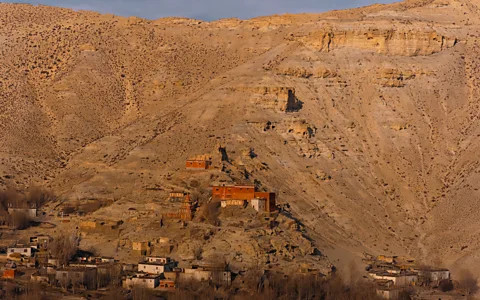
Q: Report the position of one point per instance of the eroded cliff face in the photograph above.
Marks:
(389, 41)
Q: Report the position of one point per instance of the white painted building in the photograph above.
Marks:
(258, 204)
(157, 259)
(24, 251)
(155, 268)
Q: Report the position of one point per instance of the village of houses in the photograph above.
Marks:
(30, 258)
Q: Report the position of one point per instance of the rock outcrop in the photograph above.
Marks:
(388, 41)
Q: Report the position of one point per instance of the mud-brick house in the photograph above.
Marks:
(106, 227)
(9, 274)
(403, 278)
(185, 212)
(167, 285)
(158, 259)
(40, 242)
(141, 248)
(200, 162)
(176, 196)
(233, 192)
(79, 277)
(22, 250)
(207, 273)
(244, 192)
(270, 200)
(432, 276)
(30, 210)
(389, 292)
(155, 268)
(147, 281)
(387, 259)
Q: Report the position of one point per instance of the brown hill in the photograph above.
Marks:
(364, 121)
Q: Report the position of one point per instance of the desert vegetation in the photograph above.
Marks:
(64, 247)
(467, 282)
(20, 200)
(83, 207)
(260, 285)
(34, 196)
(209, 213)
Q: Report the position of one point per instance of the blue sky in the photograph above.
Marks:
(204, 9)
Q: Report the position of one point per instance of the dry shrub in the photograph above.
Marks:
(112, 277)
(201, 194)
(217, 261)
(19, 220)
(313, 287)
(446, 285)
(140, 293)
(92, 251)
(68, 209)
(10, 196)
(404, 295)
(25, 291)
(270, 286)
(64, 248)
(209, 212)
(33, 291)
(197, 253)
(194, 183)
(191, 289)
(254, 278)
(39, 196)
(467, 282)
(33, 196)
(114, 294)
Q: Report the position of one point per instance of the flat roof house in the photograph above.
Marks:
(433, 275)
(80, 277)
(398, 279)
(157, 259)
(155, 268)
(388, 292)
(40, 242)
(148, 282)
(233, 192)
(216, 275)
(199, 162)
(141, 248)
(29, 210)
(167, 285)
(23, 251)
(243, 192)
(258, 204)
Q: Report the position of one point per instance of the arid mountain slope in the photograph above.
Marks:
(365, 121)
